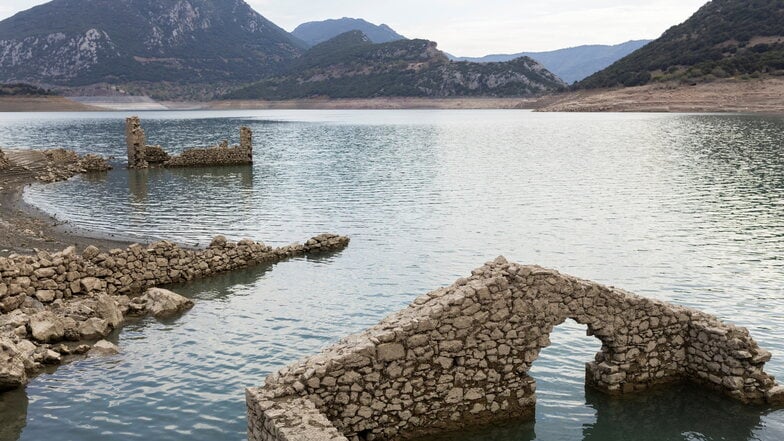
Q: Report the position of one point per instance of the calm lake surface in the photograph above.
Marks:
(684, 208)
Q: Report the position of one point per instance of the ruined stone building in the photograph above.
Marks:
(141, 155)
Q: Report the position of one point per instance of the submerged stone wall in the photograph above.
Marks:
(460, 356)
(142, 156)
(49, 277)
(66, 296)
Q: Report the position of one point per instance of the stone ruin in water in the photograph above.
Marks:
(460, 356)
(141, 155)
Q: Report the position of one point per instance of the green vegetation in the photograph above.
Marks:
(202, 49)
(350, 66)
(22, 89)
(725, 38)
(82, 42)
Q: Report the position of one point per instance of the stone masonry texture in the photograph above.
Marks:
(49, 300)
(142, 156)
(459, 356)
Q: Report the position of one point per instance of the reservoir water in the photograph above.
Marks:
(683, 208)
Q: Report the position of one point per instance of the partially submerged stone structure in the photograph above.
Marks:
(460, 356)
(141, 155)
(47, 300)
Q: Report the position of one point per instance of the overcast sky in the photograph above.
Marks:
(480, 27)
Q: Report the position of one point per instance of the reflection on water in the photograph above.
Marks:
(678, 412)
(684, 208)
(13, 414)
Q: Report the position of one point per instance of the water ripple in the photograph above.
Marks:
(684, 208)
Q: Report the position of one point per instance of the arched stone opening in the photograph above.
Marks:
(562, 410)
(460, 356)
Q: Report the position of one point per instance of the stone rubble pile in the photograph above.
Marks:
(155, 155)
(460, 356)
(62, 164)
(53, 305)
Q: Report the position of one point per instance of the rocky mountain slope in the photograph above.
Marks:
(22, 89)
(316, 32)
(725, 38)
(80, 42)
(352, 66)
(574, 63)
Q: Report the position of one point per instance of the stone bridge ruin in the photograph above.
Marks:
(141, 155)
(459, 356)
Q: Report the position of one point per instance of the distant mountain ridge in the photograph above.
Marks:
(574, 63)
(316, 32)
(724, 38)
(79, 42)
(352, 66)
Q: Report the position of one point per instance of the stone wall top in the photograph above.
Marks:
(50, 299)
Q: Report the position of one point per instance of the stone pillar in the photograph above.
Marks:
(136, 142)
(246, 142)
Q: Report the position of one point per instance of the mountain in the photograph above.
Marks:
(724, 38)
(81, 42)
(352, 66)
(316, 32)
(574, 63)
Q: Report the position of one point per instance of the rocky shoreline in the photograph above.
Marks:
(761, 96)
(57, 304)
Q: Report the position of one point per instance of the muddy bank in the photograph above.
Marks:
(24, 228)
(732, 96)
(43, 104)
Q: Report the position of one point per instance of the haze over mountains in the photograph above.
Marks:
(199, 49)
(352, 66)
(316, 32)
(204, 49)
(725, 38)
(574, 63)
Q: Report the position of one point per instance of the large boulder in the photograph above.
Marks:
(12, 369)
(104, 349)
(109, 309)
(775, 396)
(92, 284)
(94, 328)
(164, 303)
(46, 327)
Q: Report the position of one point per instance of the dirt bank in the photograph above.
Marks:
(24, 228)
(378, 103)
(42, 104)
(750, 96)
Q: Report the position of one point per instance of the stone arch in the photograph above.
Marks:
(459, 356)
